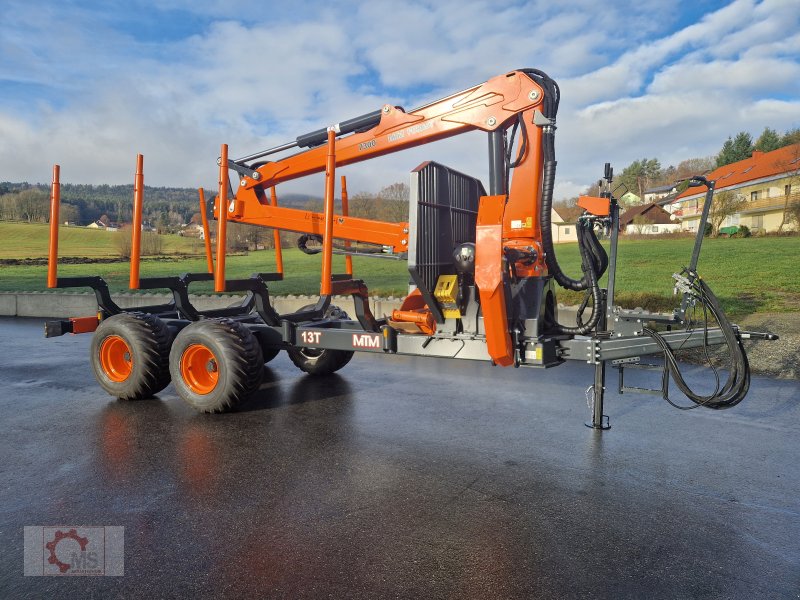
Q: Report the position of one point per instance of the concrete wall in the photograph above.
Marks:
(58, 305)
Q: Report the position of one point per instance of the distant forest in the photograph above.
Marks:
(166, 209)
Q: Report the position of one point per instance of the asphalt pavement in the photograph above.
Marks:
(400, 478)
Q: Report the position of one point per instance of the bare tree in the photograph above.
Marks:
(69, 213)
(122, 242)
(793, 210)
(32, 205)
(364, 205)
(393, 203)
(694, 166)
(152, 243)
(640, 223)
(724, 205)
(9, 209)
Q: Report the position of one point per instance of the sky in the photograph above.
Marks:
(88, 85)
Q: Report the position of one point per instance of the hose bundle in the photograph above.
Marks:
(594, 259)
(738, 382)
(593, 266)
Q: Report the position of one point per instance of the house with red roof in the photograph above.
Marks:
(767, 181)
(648, 219)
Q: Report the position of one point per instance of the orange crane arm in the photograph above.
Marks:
(509, 234)
(491, 106)
(487, 107)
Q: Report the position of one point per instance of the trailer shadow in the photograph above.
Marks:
(307, 388)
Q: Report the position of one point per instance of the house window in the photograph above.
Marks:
(731, 221)
(757, 222)
(566, 230)
(787, 189)
(755, 195)
(655, 228)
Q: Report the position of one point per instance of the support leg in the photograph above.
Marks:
(599, 420)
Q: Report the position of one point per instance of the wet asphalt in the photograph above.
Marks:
(399, 478)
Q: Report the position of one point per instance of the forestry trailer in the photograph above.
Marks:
(482, 262)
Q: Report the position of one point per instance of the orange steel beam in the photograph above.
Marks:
(306, 221)
(55, 205)
(521, 228)
(84, 324)
(348, 260)
(206, 230)
(136, 234)
(276, 233)
(222, 220)
(327, 238)
(597, 206)
(489, 278)
(487, 107)
(492, 105)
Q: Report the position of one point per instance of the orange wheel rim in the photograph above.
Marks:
(116, 358)
(199, 369)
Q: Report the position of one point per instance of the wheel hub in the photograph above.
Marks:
(115, 358)
(199, 369)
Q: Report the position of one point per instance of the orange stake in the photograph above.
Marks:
(55, 205)
(222, 220)
(327, 239)
(348, 260)
(277, 235)
(136, 234)
(206, 232)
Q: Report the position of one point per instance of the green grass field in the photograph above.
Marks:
(749, 274)
(385, 277)
(30, 240)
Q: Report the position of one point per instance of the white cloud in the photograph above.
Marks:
(631, 85)
(745, 77)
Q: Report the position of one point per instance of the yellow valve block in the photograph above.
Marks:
(446, 292)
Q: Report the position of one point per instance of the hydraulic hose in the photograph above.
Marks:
(585, 232)
(738, 382)
(594, 259)
(597, 253)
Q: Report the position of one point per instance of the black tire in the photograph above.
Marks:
(236, 362)
(316, 361)
(269, 353)
(146, 358)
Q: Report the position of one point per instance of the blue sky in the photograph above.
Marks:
(90, 84)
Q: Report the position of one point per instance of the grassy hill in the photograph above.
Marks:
(749, 274)
(31, 240)
(756, 274)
